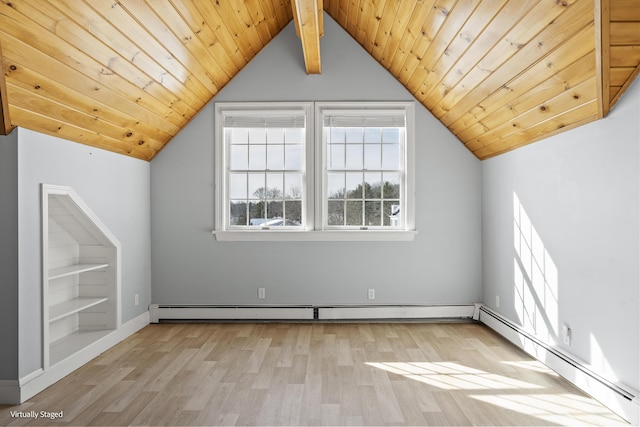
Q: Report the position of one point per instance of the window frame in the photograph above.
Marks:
(407, 161)
(314, 176)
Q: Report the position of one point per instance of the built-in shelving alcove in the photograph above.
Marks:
(81, 277)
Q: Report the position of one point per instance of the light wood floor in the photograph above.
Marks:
(314, 374)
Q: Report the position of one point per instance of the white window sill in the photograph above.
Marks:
(315, 236)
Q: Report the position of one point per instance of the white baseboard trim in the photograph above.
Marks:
(159, 312)
(396, 312)
(18, 391)
(619, 398)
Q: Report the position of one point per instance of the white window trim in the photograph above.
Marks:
(314, 174)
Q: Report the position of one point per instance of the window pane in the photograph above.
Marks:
(274, 186)
(354, 212)
(372, 135)
(335, 212)
(257, 135)
(336, 156)
(275, 135)
(335, 185)
(293, 212)
(293, 186)
(373, 185)
(237, 186)
(336, 135)
(372, 158)
(239, 157)
(391, 214)
(391, 135)
(257, 157)
(238, 212)
(354, 156)
(391, 185)
(294, 136)
(355, 135)
(256, 213)
(354, 185)
(391, 156)
(293, 157)
(256, 185)
(275, 210)
(238, 135)
(373, 213)
(275, 157)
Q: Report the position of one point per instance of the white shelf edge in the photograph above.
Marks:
(67, 308)
(57, 273)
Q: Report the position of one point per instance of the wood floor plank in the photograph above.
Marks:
(313, 374)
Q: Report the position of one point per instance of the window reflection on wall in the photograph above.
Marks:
(535, 278)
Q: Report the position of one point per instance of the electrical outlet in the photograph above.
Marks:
(261, 293)
(566, 334)
(136, 299)
(371, 294)
(497, 301)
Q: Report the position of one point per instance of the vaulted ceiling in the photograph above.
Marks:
(127, 75)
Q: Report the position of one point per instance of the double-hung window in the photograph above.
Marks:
(365, 166)
(262, 166)
(285, 173)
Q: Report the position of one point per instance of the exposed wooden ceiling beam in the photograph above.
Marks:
(307, 15)
(5, 122)
(602, 24)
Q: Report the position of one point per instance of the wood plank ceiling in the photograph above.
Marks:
(127, 75)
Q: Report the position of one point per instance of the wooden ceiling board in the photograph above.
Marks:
(542, 30)
(621, 27)
(127, 75)
(554, 75)
(413, 72)
(534, 95)
(5, 121)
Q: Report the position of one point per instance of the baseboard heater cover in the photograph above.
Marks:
(396, 312)
(159, 312)
(619, 398)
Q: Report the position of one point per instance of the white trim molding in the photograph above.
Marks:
(208, 312)
(316, 236)
(15, 392)
(159, 312)
(619, 398)
(396, 312)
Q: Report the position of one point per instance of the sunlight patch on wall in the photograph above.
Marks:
(599, 362)
(535, 277)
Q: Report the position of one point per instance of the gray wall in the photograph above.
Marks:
(9, 256)
(115, 187)
(580, 191)
(442, 265)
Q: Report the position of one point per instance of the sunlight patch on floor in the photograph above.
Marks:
(452, 376)
(563, 409)
(531, 365)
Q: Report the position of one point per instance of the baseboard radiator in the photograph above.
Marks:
(166, 312)
(619, 398)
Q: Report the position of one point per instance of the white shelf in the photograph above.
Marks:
(57, 273)
(81, 276)
(67, 308)
(72, 343)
